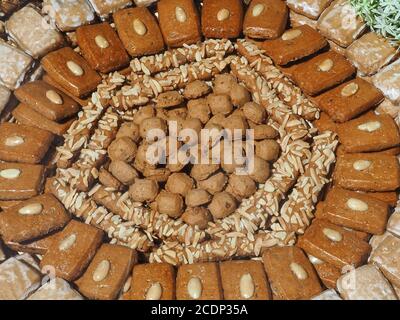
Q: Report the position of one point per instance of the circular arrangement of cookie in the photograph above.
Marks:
(182, 149)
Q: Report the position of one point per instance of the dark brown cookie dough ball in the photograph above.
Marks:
(215, 183)
(254, 112)
(179, 183)
(220, 103)
(123, 149)
(170, 204)
(143, 190)
(196, 89)
(239, 95)
(123, 172)
(222, 205)
(144, 113)
(262, 170)
(198, 216)
(268, 149)
(129, 130)
(223, 83)
(242, 186)
(197, 197)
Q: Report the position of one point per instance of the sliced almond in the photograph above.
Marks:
(154, 292)
(54, 97)
(194, 288)
(139, 27)
(101, 42)
(31, 209)
(298, 271)
(75, 68)
(10, 173)
(67, 243)
(350, 90)
(223, 14)
(370, 126)
(326, 65)
(14, 141)
(332, 235)
(258, 9)
(291, 34)
(356, 205)
(180, 14)
(102, 270)
(246, 286)
(361, 165)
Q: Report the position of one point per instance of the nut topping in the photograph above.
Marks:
(291, 34)
(31, 209)
(325, 65)
(10, 173)
(14, 141)
(54, 97)
(194, 288)
(370, 126)
(332, 235)
(258, 9)
(223, 14)
(67, 243)
(357, 205)
(102, 270)
(298, 271)
(361, 165)
(101, 42)
(180, 14)
(139, 27)
(350, 90)
(154, 292)
(75, 68)
(247, 287)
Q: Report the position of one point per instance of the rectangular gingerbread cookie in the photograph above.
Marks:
(153, 282)
(389, 197)
(20, 181)
(322, 72)
(244, 280)
(179, 22)
(28, 116)
(75, 248)
(32, 33)
(290, 273)
(222, 18)
(387, 80)
(200, 281)
(349, 100)
(294, 44)
(72, 71)
(33, 218)
(101, 47)
(334, 244)
(370, 172)
(17, 279)
(105, 7)
(355, 210)
(139, 31)
(309, 8)
(387, 257)
(340, 23)
(47, 100)
(369, 133)
(56, 289)
(26, 144)
(371, 53)
(69, 15)
(265, 19)
(14, 65)
(107, 272)
(365, 283)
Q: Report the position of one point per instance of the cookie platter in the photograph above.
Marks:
(87, 215)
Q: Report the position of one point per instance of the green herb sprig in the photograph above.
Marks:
(382, 16)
